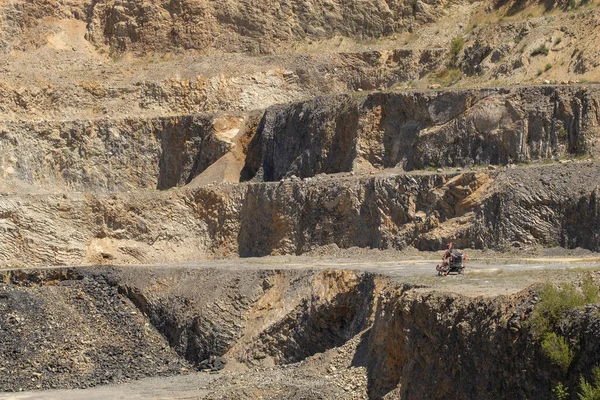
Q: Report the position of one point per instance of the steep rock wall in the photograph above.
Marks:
(557, 206)
(112, 155)
(533, 205)
(415, 130)
(432, 345)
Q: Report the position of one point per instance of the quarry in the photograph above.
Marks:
(274, 182)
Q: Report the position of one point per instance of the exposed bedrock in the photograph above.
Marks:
(208, 25)
(391, 212)
(415, 130)
(247, 25)
(410, 130)
(115, 155)
(533, 205)
(549, 205)
(554, 205)
(280, 315)
(191, 86)
(439, 346)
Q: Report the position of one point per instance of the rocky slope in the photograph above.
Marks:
(139, 132)
(56, 65)
(535, 205)
(61, 329)
(411, 130)
(320, 153)
(336, 334)
(231, 26)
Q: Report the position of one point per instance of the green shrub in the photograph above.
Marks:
(547, 67)
(558, 40)
(590, 391)
(541, 50)
(589, 289)
(456, 46)
(555, 347)
(572, 4)
(560, 391)
(554, 301)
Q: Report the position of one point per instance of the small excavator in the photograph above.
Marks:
(452, 261)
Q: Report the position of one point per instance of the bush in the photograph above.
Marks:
(562, 133)
(558, 40)
(456, 46)
(560, 392)
(541, 50)
(589, 289)
(447, 76)
(589, 391)
(547, 67)
(554, 301)
(555, 347)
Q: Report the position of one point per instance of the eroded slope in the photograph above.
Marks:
(286, 333)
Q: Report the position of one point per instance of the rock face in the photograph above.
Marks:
(437, 338)
(311, 140)
(246, 25)
(543, 205)
(232, 26)
(114, 155)
(411, 130)
(415, 130)
(535, 205)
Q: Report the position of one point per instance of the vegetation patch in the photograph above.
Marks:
(560, 391)
(555, 301)
(587, 390)
(447, 76)
(543, 49)
(456, 45)
(556, 348)
(562, 133)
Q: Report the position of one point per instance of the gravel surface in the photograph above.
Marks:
(76, 334)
